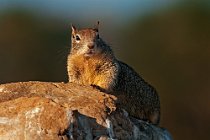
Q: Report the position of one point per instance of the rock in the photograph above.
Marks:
(45, 110)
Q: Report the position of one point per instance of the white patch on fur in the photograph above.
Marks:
(125, 113)
(110, 128)
(136, 132)
(82, 50)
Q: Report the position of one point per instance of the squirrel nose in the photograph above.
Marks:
(91, 46)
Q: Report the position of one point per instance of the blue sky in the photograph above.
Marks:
(120, 9)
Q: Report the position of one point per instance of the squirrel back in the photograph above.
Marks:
(92, 62)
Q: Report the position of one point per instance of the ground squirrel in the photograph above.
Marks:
(92, 62)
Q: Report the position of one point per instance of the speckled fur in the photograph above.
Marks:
(99, 67)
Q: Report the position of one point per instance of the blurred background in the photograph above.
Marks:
(167, 42)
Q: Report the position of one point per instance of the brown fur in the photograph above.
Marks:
(92, 62)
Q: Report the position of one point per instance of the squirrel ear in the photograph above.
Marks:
(96, 27)
(73, 29)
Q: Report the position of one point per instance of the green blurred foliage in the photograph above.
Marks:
(31, 48)
(170, 49)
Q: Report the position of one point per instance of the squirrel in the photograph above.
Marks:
(92, 62)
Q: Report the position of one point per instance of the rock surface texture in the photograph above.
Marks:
(58, 111)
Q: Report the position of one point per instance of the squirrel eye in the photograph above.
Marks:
(77, 38)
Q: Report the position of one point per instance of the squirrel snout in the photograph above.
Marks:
(90, 46)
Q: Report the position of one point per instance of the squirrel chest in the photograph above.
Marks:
(87, 71)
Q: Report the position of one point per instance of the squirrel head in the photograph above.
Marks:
(86, 42)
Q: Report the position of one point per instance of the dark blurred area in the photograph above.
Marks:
(32, 48)
(169, 47)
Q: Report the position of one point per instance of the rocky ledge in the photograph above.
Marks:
(51, 111)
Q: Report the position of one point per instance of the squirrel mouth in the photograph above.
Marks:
(89, 53)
